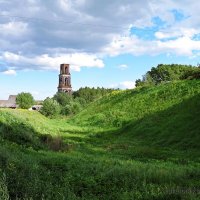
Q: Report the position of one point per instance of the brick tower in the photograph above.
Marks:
(64, 79)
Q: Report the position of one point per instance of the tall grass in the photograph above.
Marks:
(135, 144)
(119, 108)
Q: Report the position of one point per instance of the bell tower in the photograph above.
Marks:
(64, 79)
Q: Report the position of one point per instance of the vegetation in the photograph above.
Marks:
(68, 104)
(24, 100)
(122, 107)
(134, 144)
(91, 94)
(65, 104)
(165, 73)
(50, 107)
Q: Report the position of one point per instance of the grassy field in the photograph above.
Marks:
(135, 144)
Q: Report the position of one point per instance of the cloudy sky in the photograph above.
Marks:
(107, 43)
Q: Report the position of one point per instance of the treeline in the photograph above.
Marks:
(65, 104)
(166, 73)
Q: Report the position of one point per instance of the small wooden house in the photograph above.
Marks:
(10, 103)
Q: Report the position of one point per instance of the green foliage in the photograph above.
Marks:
(75, 107)
(71, 105)
(137, 144)
(3, 187)
(122, 107)
(68, 104)
(24, 100)
(165, 73)
(67, 110)
(91, 94)
(81, 101)
(192, 74)
(63, 98)
(50, 107)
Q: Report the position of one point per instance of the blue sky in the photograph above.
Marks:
(107, 44)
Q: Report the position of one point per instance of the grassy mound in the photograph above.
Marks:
(135, 144)
(122, 107)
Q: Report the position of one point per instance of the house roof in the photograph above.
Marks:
(10, 103)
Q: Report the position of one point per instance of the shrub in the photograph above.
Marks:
(66, 110)
(24, 100)
(81, 101)
(50, 107)
(3, 187)
(192, 74)
(165, 73)
(62, 98)
(75, 107)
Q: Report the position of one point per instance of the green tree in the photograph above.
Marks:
(75, 107)
(81, 101)
(91, 94)
(24, 100)
(3, 187)
(63, 98)
(50, 107)
(66, 110)
(165, 73)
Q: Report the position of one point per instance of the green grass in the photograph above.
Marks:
(121, 107)
(134, 144)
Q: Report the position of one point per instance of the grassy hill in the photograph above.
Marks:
(134, 144)
(122, 107)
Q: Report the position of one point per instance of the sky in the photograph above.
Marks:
(107, 43)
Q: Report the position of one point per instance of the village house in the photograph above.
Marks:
(10, 103)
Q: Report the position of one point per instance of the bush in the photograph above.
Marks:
(76, 107)
(50, 107)
(72, 108)
(62, 98)
(25, 100)
(66, 110)
(3, 187)
(81, 101)
(91, 94)
(165, 73)
(192, 74)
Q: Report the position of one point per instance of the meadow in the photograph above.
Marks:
(135, 144)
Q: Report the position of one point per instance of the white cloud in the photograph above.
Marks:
(133, 45)
(127, 84)
(123, 66)
(124, 85)
(180, 46)
(14, 28)
(47, 62)
(35, 93)
(174, 33)
(10, 72)
(79, 31)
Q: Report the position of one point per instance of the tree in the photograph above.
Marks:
(50, 107)
(66, 110)
(75, 107)
(139, 82)
(91, 94)
(192, 74)
(62, 98)
(24, 100)
(165, 73)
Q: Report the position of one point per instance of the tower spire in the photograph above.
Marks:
(64, 79)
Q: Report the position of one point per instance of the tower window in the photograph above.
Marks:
(66, 70)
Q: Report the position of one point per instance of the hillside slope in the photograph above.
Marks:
(134, 144)
(122, 107)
